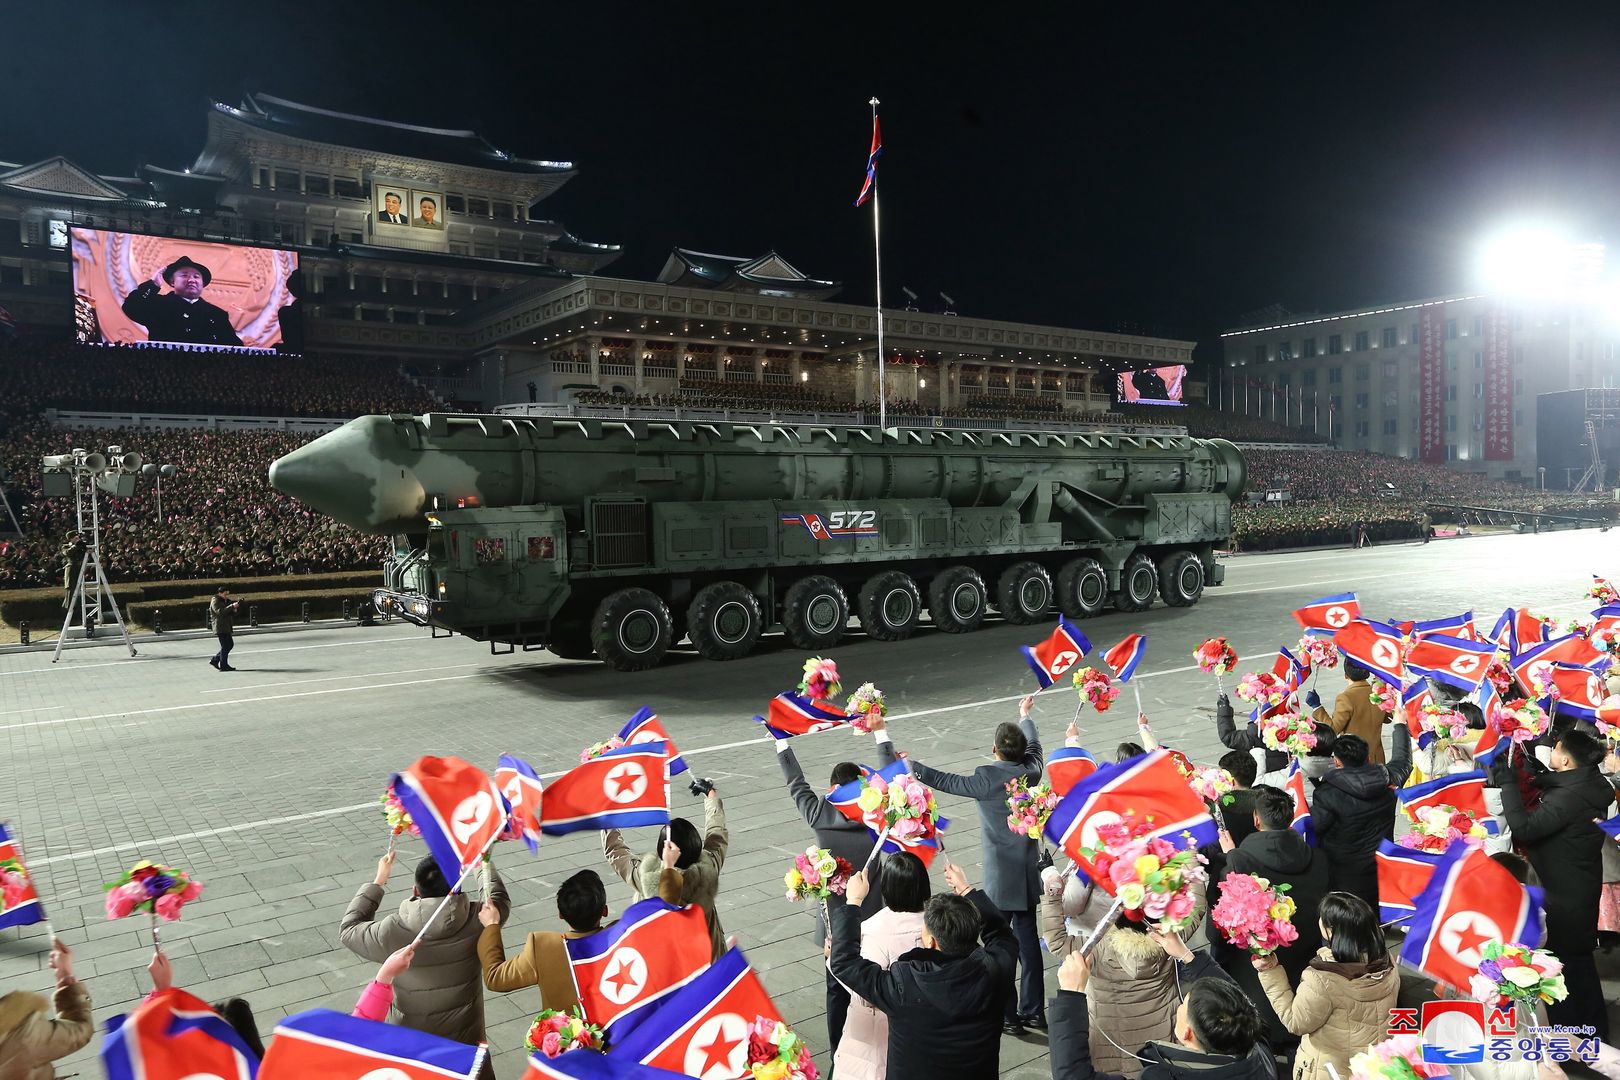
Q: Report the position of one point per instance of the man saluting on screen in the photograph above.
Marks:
(182, 315)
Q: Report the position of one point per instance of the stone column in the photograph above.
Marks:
(641, 365)
(593, 347)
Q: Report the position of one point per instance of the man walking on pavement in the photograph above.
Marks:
(223, 609)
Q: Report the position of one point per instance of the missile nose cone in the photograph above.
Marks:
(355, 475)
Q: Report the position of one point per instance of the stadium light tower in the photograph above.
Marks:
(1540, 262)
(157, 474)
(84, 473)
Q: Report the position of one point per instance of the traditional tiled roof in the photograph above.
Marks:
(767, 275)
(59, 176)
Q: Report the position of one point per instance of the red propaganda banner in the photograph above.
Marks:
(1432, 384)
(1498, 385)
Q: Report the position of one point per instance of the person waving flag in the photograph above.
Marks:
(1054, 657)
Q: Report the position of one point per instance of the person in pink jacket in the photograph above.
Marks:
(891, 932)
(378, 995)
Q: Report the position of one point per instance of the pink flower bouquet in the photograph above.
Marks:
(1384, 697)
(1320, 651)
(1262, 687)
(1520, 720)
(1541, 681)
(1603, 592)
(820, 680)
(775, 1052)
(1399, 1057)
(1215, 656)
(596, 750)
(156, 890)
(1095, 687)
(1152, 879)
(865, 705)
(1446, 725)
(1435, 828)
(399, 819)
(15, 884)
(1500, 675)
(554, 1033)
(1029, 807)
(1516, 973)
(1289, 732)
(1214, 785)
(817, 874)
(905, 808)
(1253, 915)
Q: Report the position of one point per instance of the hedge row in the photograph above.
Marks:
(43, 607)
(191, 612)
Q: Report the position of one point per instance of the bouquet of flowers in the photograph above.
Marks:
(817, 874)
(14, 883)
(1517, 973)
(555, 1032)
(1253, 915)
(1500, 675)
(820, 680)
(398, 818)
(865, 704)
(775, 1052)
(1319, 651)
(1288, 731)
(1215, 656)
(1436, 828)
(1399, 1057)
(160, 891)
(1446, 725)
(1213, 785)
(1152, 880)
(905, 809)
(1262, 686)
(1520, 720)
(1580, 626)
(1385, 697)
(1029, 807)
(1095, 687)
(1541, 681)
(596, 750)
(1603, 592)
(1607, 720)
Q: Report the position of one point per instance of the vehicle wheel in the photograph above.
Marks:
(1138, 581)
(815, 612)
(957, 599)
(631, 630)
(1181, 579)
(1024, 593)
(724, 621)
(1082, 588)
(890, 606)
(571, 640)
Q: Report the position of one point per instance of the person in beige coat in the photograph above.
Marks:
(29, 1039)
(887, 934)
(696, 873)
(1354, 711)
(1342, 1003)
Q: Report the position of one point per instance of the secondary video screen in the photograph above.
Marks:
(1151, 386)
(130, 289)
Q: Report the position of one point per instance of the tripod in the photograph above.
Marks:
(91, 590)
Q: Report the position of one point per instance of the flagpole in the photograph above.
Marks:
(877, 259)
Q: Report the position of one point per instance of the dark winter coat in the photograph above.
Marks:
(1353, 810)
(170, 317)
(846, 839)
(1246, 738)
(1566, 850)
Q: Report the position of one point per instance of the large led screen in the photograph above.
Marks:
(1151, 386)
(130, 289)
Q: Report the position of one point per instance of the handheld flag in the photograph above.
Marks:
(790, 714)
(702, 1029)
(1329, 615)
(19, 902)
(1571, 649)
(1374, 645)
(1413, 699)
(1581, 691)
(1470, 900)
(1465, 791)
(585, 1064)
(1490, 744)
(645, 727)
(175, 1036)
(458, 808)
(321, 1042)
(1068, 766)
(1052, 658)
(1461, 626)
(1403, 873)
(622, 972)
(1518, 629)
(870, 183)
(846, 800)
(619, 789)
(521, 786)
(1295, 786)
(1149, 785)
(1459, 662)
(1124, 657)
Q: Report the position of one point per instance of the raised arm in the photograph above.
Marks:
(1232, 737)
(812, 807)
(1400, 761)
(715, 837)
(619, 857)
(981, 785)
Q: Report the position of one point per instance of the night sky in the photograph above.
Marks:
(1165, 172)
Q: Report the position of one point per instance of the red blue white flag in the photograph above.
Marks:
(1374, 645)
(1067, 766)
(1457, 661)
(323, 1043)
(458, 808)
(1570, 649)
(1518, 629)
(790, 714)
(1124, 657)
(1151, 787)
(1465, 791)
(623, 972)
(1490, 744)
(1054, 657)
(1581, 691)
(870, 184)
(702, 1029)
(645, 727)
(1330, 614)
(521, 786)
(19, 902)
(1610, 827)
(1461, 626)
(1471, 899)
(1403, 873)
(845, 797)
(1295, 786)
(175, 1036)
(619, 789)
(593, 1065)
(1413, 699)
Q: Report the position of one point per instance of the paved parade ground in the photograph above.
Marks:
(264, 782)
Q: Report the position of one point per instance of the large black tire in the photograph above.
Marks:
(1082, 588)
(890, 606)
(957, 599)
(1138, 581)
(724, 621)
(1181, 579)
(631, 630)
(1024, 593)
(815, 612)
(571, 640)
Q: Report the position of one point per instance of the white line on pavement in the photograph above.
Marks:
(334, 678)
(208, 641)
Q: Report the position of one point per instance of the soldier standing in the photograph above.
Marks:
(223, 609)
(73, 550)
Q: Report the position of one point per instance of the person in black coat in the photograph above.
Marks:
(1246, 738)
(1566, 850)
(1354, 809)
(1238, 815)
(943, 1000)
(1011, 876)
(181, 316)
(846, 839)
(1219, 1035)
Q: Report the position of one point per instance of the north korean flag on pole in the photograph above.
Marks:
(1459, 662)
(789, 714)
(621, 973)
(458, 808)
(521, 786)
(593, 1065)
(1295, 786)
(1413, 698)
(1067, 766)
(1518, 629)
(1461, 626)
(1374, 645)
(323, 1043)
(701, 1029)
(19, 902)
(1490, 744)
(1403, 873)
(1581, 691)
(1149, 785)
(1055, 656)
(1124, 657)
(620, 789)
(645, 727)
(1470, 900)
(1465, 791)
(1329, 615)
(1570, 649)
(175, 1036)
(845, 797)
